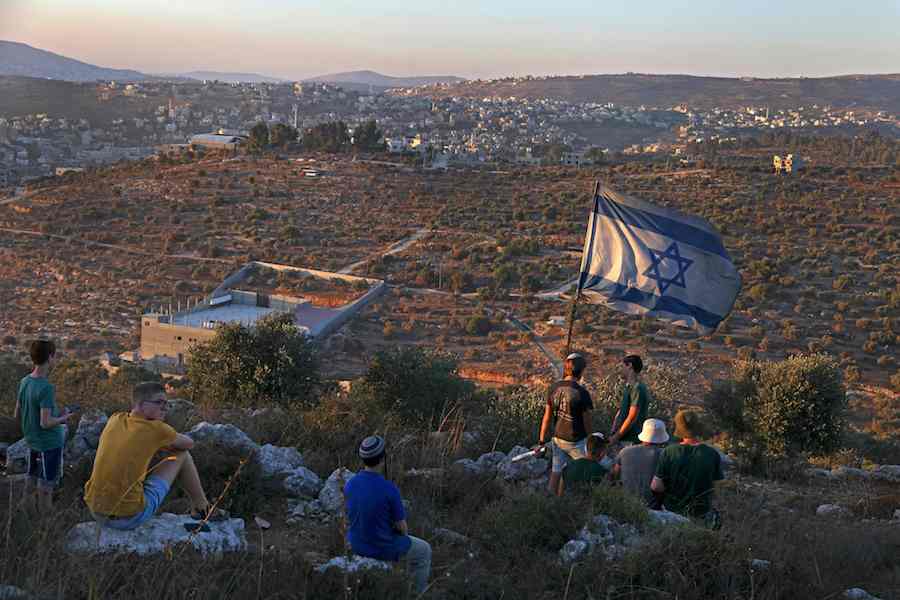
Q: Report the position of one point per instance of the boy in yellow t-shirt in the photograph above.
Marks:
(123, 492)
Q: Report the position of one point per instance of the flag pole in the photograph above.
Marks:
(577, 295)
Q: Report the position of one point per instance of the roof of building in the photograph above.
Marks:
(213, 138)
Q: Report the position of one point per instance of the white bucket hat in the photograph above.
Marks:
(654, 432)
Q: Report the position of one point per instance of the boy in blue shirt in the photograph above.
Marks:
(42, 424)
(377, 519)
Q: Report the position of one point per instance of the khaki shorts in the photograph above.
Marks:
(565, 452)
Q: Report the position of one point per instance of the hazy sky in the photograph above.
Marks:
(301, 38)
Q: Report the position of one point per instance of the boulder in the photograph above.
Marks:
(331, 496)
(523, 470)
(83, 444)
(277, 460)
(830, 510)
(302, 482)
(887, 473)
(223, 436)
(353, 564)
(155, 536)
(667, 518)
(11, 592)
(859, 594)
(574, 550)
(851, 473)
(468, 465)
(428, 473)
(490, 461)
(758, 564)
(17, 458)
(179, 413)
(449, 536)
(897, 514)
(819, 473)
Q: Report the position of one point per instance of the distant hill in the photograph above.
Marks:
(872, 91)
(231, 77)
(377, 80)
(23, 60)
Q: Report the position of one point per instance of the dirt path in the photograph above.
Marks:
(396, 247)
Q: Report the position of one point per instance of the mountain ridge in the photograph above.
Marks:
(19, 59)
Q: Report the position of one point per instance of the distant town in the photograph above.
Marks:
(443, 130)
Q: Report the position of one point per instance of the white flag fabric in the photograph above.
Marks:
(643, 259)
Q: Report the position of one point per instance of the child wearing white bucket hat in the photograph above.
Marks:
(636, 465)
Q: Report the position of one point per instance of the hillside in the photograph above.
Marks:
(881, 92)
(23, 60)
(377, 80)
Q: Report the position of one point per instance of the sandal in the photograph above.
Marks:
(210, 515)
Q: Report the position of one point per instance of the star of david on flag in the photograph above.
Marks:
(644, 259)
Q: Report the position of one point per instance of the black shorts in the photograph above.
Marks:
(46, 466)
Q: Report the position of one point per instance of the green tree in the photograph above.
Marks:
(273, 361)
(327, 137)
(282, 135)
(368, 138)
(418, 385)
(259, 138)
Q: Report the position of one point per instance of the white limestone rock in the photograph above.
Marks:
(490, 461)
(17, 458)
(223, 435)
(831, 510)
(666, 518)
(157, 534)
(758, 564)
(331, 496)
(300, 509)
(887, 473)
(573, 551)
(820, 473)
(851, 473)
(275, 461)
(523, 470)
(897, 514)
(83, 444)
(353, 564)
(859, 594)
(302, 482)
(449, 536)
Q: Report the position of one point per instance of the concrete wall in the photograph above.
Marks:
(171, 341)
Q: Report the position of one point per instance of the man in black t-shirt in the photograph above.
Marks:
(569, 407)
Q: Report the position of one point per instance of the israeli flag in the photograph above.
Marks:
(642, 259)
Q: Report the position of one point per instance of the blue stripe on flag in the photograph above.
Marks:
(672, 228)
(615, 291)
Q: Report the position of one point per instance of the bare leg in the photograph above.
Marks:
(554, 484)
(180, 466)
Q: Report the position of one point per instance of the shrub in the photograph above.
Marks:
(530, 522)
(786, 407)
(421, 386)
(621, 505)
(478, 325)
(271, 362)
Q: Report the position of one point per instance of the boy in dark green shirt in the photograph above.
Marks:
(635, 400)
(42, 424)
(593, 469)
(686, 472)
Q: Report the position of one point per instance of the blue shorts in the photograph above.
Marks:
(46, 467)
(155, 490)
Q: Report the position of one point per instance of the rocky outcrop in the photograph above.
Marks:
(667, 518)
(858, 594)
(83, 445)
(222, 436)
(17, 458)
(603, 535)
(328, 504)
(155, 536)
(353, 564)
(532, 469)
(831, 510)
(301, 482)
(275, 461)
(11, 592)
